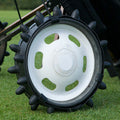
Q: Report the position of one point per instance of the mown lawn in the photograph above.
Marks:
(13, 107)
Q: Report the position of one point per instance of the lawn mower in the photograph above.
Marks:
(60, 59)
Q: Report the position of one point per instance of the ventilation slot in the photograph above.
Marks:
(84, 63)
(74, 40)
(71, 86)
(48, 84)
(51, 38)
(38, 60)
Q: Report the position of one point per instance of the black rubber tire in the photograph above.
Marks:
(23, 76)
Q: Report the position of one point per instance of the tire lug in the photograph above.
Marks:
(50, 110)
(13, 70)
(22, 81)
(57, 12)
(19, 58)
(92, 25)
(7, 53)
(20, 90)
(102, 86)
(25, 37)
(40, 15)
(76, 14)
(33, 100)
(107, 64)
(15, 48)
(24, 28)
(39, 18)
(90, 103)
(34, 107)
(104, 43)
(4, 24)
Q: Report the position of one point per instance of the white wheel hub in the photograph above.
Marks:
(63, 63)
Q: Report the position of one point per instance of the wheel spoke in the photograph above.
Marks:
(63, 36)
(38, 74)
(60, 88)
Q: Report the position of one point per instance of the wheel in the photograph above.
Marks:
(2, 52)
(3, 46)
(61, 73)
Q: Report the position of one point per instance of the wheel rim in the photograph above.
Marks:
(62, 62)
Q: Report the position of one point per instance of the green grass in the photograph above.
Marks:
(13, 107)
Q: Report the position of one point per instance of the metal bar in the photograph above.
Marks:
(17, 31)
(25, 18)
